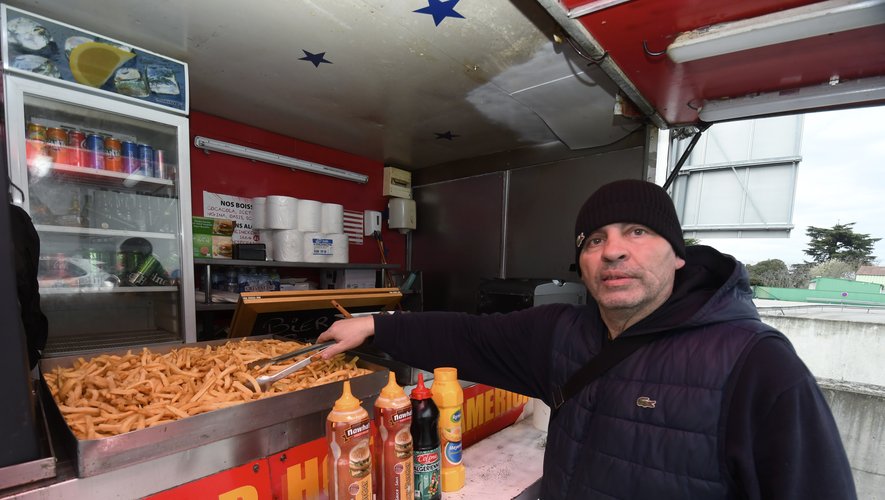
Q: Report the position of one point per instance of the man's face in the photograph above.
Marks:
(629, 269)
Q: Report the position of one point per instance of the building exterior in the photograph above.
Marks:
(871, 274)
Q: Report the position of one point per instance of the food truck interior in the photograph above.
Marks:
(506, 114)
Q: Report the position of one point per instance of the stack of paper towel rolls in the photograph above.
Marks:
(296, 230)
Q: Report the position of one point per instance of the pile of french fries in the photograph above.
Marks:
(110, 394)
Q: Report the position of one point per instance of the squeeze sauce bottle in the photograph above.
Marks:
(393, 451)
(350, 456)
(449, 398)
(425, 442)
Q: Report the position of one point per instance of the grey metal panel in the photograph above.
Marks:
(458, 239)
(544, 201)
(740, 180)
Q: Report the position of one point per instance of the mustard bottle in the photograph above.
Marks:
(449, 398)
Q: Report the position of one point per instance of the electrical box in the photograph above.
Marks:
(397, 182)
(402, 214)
(371, 222)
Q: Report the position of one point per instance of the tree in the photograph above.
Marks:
(834, 268)
(772, 272)
(841, 243)
(800, 275)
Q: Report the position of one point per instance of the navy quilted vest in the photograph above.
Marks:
(655, 417)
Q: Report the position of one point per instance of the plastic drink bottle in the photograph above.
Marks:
(393, 452)
(449, 398)
(350, 455)
(425, 442)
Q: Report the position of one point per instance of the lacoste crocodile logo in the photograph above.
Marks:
(645, 402)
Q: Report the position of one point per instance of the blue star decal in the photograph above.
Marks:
(446, 135)
(440, 10)
(316, 59)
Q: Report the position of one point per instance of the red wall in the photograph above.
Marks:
(225, 174)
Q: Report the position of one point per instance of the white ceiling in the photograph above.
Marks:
(395, 81)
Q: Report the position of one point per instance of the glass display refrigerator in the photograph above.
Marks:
(97, 143)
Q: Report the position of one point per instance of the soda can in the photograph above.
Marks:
(76, 155)
(35, 146)
(57, 141)
(36, 132)
(145, 270)
(94, 151)
(160, 170)
(113, 155)
(145, 160)
(129, 151)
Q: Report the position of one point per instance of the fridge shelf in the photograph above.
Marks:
(121, 289)
(79, 344)
(89, 231)
(117, 180)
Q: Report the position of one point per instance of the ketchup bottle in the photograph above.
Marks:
(425, 442)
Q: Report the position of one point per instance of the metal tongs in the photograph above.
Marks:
(266, 381)
(261, 363)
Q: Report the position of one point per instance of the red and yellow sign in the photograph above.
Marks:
(299, 473)
(246, 482)
(488, 410)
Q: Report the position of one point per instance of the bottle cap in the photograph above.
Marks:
(420, 391)
(445, 374)
(392, 390)
(347, 402)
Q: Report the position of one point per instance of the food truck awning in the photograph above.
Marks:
(427, 82)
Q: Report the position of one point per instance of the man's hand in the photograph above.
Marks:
(348, 333)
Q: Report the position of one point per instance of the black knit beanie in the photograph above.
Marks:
(629, 200)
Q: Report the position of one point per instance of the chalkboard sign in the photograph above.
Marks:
(305, 325)
(304, 314)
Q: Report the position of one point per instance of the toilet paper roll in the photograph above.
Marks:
(339, 248)
(259, 212)
(317, 247)
(309, 215)
(332, 218)
(282, 212)
(266, 236)
(288, 245)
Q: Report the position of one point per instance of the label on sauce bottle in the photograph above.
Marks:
(352, 459)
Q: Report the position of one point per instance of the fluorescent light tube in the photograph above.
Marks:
(822, 18)
(800, 99)
(276, 159)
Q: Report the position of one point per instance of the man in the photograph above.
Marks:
(715, 405)
(26, 246)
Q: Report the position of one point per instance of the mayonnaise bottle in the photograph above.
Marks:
(393, 449)
(449, 398)
(350, 455)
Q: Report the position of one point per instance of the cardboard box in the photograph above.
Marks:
(397, 182)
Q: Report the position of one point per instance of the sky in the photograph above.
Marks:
(841, 179)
